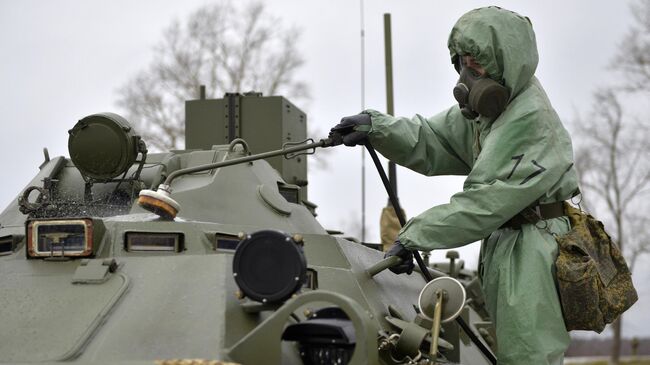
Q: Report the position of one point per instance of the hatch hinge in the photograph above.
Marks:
(232, 112)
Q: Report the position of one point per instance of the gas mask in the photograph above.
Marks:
(479, 95)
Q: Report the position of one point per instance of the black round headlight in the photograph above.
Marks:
(103, 146)
(269, 266)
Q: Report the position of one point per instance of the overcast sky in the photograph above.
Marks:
(64, 59)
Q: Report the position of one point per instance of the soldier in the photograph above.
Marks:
(506, 138)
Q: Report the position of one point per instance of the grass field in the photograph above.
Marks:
(630, 362)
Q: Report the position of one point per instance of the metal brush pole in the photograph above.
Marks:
(425, 271)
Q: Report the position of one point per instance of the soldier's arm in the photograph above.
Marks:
(440, 145)
(521, 162)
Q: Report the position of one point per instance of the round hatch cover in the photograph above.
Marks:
(269, 266)
(102, 146)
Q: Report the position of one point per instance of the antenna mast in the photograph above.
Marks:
(363, 106)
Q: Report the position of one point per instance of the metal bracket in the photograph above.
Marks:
(46, 158)
(310, 151)
(94, 271)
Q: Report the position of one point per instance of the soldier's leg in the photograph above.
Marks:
(522, 299)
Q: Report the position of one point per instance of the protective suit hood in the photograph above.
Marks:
(501, 41)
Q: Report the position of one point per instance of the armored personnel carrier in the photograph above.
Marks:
(212, 255)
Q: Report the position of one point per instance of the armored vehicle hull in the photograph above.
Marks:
(242, 272)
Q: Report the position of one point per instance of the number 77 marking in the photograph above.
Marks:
(518, 159)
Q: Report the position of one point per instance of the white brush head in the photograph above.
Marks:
(159, 202)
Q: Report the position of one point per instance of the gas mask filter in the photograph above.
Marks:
(479, 95)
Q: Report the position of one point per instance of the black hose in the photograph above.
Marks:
(398, 209)
(425, 271)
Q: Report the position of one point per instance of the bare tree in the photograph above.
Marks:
(633, 56)
(225, 47)
(613, 148)
(611, 158)
(633, 63)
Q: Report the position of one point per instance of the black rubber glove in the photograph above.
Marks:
(397, 249)
(352, 130)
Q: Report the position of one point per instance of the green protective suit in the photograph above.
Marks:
(521, 158)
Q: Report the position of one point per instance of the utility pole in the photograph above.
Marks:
(389, 222)
(390, 108)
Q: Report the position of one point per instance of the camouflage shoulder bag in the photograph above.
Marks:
(594, 282)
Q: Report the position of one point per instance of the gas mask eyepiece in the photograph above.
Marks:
(479, 95)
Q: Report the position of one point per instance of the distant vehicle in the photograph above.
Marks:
(117, 255)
